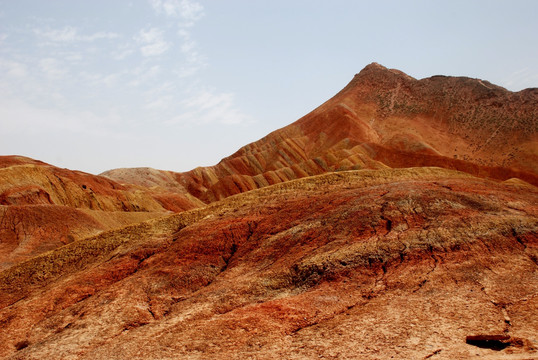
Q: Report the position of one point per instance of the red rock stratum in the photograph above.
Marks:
(382, 118)
(43, 207)
(403, 263)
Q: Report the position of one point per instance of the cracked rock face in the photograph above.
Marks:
(410, 263)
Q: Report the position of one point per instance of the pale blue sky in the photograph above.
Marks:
(175, 84)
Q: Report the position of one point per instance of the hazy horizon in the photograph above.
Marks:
(176, 84)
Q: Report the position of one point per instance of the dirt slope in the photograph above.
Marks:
(403, 263)
(382, 118)
(329, 238)
(43, 207)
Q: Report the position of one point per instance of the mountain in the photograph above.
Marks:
(43, 207)
(382, 118)
(397, 220)
(405, 263)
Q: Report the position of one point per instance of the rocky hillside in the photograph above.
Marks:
(382, 118)
(411, 263)
(43, 207)
(397, 220)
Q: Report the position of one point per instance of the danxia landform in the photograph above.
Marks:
(397, 220)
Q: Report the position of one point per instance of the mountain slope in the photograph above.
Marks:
(43, 207)
(382, 118)
(361, 264)
(329, 238)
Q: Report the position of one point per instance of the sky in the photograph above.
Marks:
(176, 84)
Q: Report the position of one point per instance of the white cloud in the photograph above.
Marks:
(13, 69)
(99, 35)
(17, 80)
(74, 57)
(143, 74)
(188, 47)
(162, 103)
(186, 71)
(194, 60)
(152, 42)
(122, 52)
(209, 107)
(71, 34)
(66, 34)
(52, 68)
(95, 79)
(188, 11)
(161, 97)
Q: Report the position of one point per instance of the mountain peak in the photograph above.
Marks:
(373, 68)
(375, 65)
(377, 71)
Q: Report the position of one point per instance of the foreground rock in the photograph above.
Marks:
(410, 263)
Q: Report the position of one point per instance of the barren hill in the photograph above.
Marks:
(410, 263)
(382, 118)
(43, 207)
(397, 220)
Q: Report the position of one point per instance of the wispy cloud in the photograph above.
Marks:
(13, 69)
(76, 80)
(123, 51)
(161, 97)
(99, 35)
(71, 34)
(67, 34)
(209, 106)
(152, 42)
(143, 74)
(52, 68)
(188, 11)
(203, 106)
(194, 61)
(96, 79)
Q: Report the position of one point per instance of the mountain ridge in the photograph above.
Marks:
(383, 118)
(333, 237)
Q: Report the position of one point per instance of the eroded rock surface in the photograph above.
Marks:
(403, 263)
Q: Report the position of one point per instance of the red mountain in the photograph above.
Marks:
(382, 118)
(349, 245)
